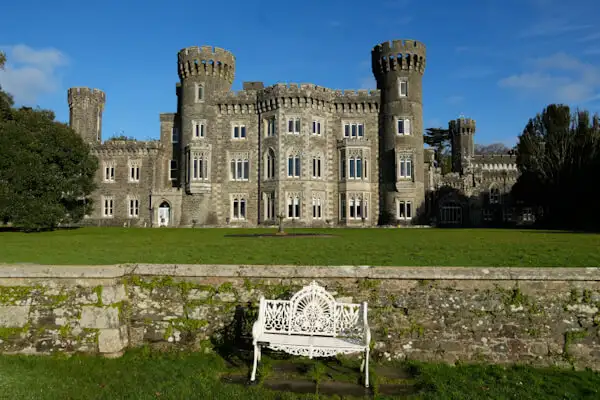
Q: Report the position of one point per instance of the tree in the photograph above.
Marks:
(439, 139)
(558, 155)
(46, 170)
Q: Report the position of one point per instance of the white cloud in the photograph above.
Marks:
(559, 77)
(592, 51)
(30, 72)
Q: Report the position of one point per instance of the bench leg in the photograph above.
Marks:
(367, 368)
(256, 357)
(259, 353)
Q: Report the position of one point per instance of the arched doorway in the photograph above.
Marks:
(164, 214)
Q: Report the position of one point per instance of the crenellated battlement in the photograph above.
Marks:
(494, 158)
(79, 94)
(462, 125)
(126, 147)
(406, 55)
(207, 61)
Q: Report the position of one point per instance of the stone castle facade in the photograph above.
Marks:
(311, 155)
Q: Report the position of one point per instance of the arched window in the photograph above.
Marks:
(270, 164)
(494, 195)
(238, 208)
(240, 169)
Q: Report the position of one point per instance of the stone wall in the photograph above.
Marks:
(544, 316)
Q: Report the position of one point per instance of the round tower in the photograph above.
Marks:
(462, 134)
(398, 67)
(85, 112)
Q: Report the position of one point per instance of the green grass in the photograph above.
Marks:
(395, 247)
(143, 374)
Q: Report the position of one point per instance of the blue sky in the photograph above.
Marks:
(497, 61)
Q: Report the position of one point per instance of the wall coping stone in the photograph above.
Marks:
(295, 271)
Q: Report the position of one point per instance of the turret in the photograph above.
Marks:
(462, 133)
(398, 67)
(85, 112)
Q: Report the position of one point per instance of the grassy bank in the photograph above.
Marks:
(146, 375)
(396, 247)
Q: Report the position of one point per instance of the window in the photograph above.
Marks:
(293, 206)
(108, 207)
(342, 206)
(507, 214)
(317, 208)
(270, 164)
(316, 127)
(198, 129)
(134, 208)
(403, 126)
(174, 135)
(198, 167)
(294, 126)
(343, 166)
(294, 166)
(109, 173)
(240, 169)
(199, 92)
(487, 215)
(402, 88)
(174, 170)
(451, 214)
(358, 208)
(316, 167)
(271, 127)
(494, 195)
(528, 215)
(405, 167)
(355, 170)
(134, 172)
(269, 199)
(239, 132)
(404, 210)
(238, 208)
(354, 130)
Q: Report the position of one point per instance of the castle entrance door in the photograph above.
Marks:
(164, 214)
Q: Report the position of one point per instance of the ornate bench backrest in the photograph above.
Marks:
(313, 311)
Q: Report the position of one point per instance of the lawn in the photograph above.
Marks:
(391, 247)
(143, 374)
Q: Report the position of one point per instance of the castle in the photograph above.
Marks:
(310, 155)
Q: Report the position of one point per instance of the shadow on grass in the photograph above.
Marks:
(37, 230)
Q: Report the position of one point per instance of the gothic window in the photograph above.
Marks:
(134, 172)
(199, 92)
(354, 130)
(133, 208)
(293, 166)
(198, 165)
(293, 206)
(316, 127)
(405, 169)
(294, 126)
(240, 169)
(238, 131)
(494, 195)
(269, 206)
(317, 208)
(238, 208)
(271, 127)
(355, 169)
(403, 125)
(107, 207)
(404, 210)
(342, 206)
(198, 129)
(173, 170)
(270, 170)
(316, 167)
(109, 172)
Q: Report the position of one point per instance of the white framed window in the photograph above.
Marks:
(239, 169)
(343, 165)
(404, 209)
(107, 207)
(402, 126)
(198, 129)
(402, 87)
(294, 125)
(342, 206)
(293, 168)
(317, 208)
(109, 172)
(198, 166)
(271, 127)
(354, 130)
(199, 92)
(173, 170)
(316, 127)
(134, 172)
(494, 195)
(316, 167)
(238, 131)
(487, 215)
(356, 168)
(238, 208)
(451, 214)
(133, 208)
(270, 168)
(405, 169)
(357, 208)
(174, 135)
(293, 206)
(527, 215)
(269, 206)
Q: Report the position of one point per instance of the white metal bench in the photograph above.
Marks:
(312, 324)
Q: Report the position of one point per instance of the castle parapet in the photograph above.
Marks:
(76, 94)
(114, 147)
(206, 60)
(409, 55)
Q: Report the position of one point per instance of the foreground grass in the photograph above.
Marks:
(141, 374)
(393, 247)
